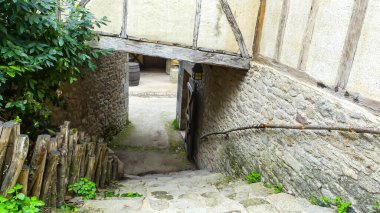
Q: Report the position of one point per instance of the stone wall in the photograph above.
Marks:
(306, 162)
(98, 103)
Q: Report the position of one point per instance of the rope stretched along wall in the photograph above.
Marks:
(299, 127)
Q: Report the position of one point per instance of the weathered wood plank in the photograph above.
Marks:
(197, 24)
(37, 165)
(20, 151)
(124, 20)
(235, 28)
(172, 52)
(83, 3)
(281, 29)
(351, 43)
(259, 27)
(308, 35)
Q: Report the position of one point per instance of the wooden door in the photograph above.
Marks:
(190, 115)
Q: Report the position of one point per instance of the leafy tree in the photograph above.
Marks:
(40, 52)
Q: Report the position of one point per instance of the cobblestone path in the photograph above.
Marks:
(199, 192)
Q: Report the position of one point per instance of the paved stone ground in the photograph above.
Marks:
(199, 192)
(149, 144)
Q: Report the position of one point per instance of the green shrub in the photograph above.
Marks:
(84, 188)
(39, 54)
(278, 188)
(253, 177)
(342, 206)
(18, 202)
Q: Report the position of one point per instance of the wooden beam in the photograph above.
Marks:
(259, 27)
(370, 104)
(308, 35)
(235, 28)
(351, 42)
(83, 3)
(172, 52)
(197, 24)
(281, 29)
(124, 21)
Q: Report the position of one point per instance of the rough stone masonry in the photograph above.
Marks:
(98, 103)
(306, 162)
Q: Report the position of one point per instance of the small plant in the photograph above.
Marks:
(67, 208)
(129, 194)
(84, 188)
(342, 206)
(278, 188)
(376, 207)
(268, 185)
(175, 124)
(253, 177)
(18, 202)
(321, 201)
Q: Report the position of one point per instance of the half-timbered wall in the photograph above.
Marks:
(333, 42)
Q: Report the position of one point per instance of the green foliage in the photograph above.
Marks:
(67, 208)
(253, 177)
(376, 207)
(84, 188)
(129, 194)
(268, 185)
(18, 202)
(321, 201)
(278, 188)
(175, 124)
(342, 206)
(39, 53)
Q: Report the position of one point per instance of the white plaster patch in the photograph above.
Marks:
(295, 28)
(245, 13)
(113, 9)
(365, 73)
(168, 21)
(215, 31)
(328, 39)
(270, 27)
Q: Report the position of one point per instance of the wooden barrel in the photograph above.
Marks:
(134, 74)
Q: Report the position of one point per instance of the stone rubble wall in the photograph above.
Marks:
(306, 162)
(98, 103)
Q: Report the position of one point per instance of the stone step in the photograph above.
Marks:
(200, 191)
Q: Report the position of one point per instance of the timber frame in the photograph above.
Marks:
(172, 52)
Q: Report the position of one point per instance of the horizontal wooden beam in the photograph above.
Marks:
(172, 52)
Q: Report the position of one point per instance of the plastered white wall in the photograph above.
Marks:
(167, 21)
(245, 13)
(215, 31)
(113, 9)
(270, 27)
(294, 32)
(328, 39)
(365, 73)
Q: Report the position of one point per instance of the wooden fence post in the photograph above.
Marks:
(48, 182)
(23, 179)
(37, 165)
(20, 151)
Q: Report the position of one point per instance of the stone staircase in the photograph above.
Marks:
(199, 192)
